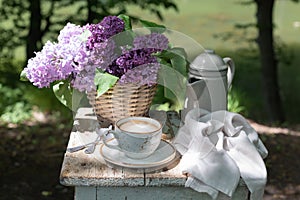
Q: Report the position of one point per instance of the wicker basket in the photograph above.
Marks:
(121, 101)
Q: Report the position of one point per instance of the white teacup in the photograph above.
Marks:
(137, 137)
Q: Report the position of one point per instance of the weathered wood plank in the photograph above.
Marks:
(171, 176)
(155, 193)
(80, 169)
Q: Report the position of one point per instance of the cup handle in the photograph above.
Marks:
(231, 70)
(115, 134)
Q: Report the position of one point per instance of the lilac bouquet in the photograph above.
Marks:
(95, 57)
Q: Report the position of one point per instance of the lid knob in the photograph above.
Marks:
(208, 61)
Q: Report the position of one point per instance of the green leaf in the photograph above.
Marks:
(104, 82)
(63, 92)
(153, 27)
(164, 62)
(174, 64)
(179, 51)
(127, 21)
(177, 59)
(179, 64)
(23, 76)
(76, 99)
(171, 53)
(175, 93)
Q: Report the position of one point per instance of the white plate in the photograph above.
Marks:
(163, 155)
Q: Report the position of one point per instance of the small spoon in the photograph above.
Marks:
(77, 148)
(90, 146)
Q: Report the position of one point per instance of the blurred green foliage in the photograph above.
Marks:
(18, 98)
(13, 108)
(234, 104)
(246, 85)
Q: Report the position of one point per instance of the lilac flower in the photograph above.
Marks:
(112, 26)
(47, 66)
(142, 75)
(81, 50)
(129, 61)
(84, 71)
(154, 42)
(127, 66)
(103, 54)
(72, 46)
(70, 34)
(108, 27)
(84, 81)
(56, 60)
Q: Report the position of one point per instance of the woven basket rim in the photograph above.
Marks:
(122, 101)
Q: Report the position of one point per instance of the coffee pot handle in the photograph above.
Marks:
(115, 134)
(231, 70)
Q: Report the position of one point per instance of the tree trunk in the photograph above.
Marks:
(34, 35)
(268, 61)
(92, 14)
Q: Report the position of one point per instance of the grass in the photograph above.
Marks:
(201, 19)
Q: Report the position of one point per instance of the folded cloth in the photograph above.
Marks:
(218, 148)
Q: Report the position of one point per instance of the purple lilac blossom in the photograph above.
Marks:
(142, 75)
(130, 60)
(56, 60)
(72, 46)
(100, 57)
(80, 50)
(84, 81)
(103, 54)
(154, 42)
(47, 67)
(127, 66)
(108, 27)
(69, 58)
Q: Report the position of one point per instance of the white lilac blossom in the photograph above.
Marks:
(69, 34)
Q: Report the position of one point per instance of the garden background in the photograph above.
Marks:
(34, 126)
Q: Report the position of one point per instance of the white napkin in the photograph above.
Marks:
(218, 148)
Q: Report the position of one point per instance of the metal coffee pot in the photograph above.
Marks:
(210, 76)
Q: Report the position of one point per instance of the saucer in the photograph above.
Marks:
(162, 155)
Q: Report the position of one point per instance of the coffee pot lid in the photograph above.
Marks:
(207, 61)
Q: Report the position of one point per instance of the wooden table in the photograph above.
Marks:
(93, 179)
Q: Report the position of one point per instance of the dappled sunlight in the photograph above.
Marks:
(270, 130)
